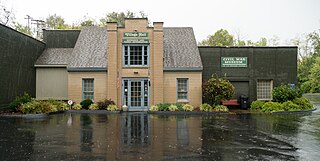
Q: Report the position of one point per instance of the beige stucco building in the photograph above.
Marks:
(137, 65)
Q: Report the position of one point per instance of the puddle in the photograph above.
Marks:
(139, 136)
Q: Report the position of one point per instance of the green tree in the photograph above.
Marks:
(87, 22)
(262, 42)
(220, 38)
(120, 16)
(217, 89)
(314, 76)
(56, 22)
(24, 29)
(308, 65)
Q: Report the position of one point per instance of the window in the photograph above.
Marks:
(135, 55)
(264, 89)
(182, 90)
(87, 89)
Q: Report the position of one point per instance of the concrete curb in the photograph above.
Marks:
(28, 116)
(197, 113)
(294, 112)
(92, 111)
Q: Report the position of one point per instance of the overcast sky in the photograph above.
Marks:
(253, 19)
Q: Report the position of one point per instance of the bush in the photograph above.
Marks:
(187, 107)
(285, 93)
(206, 107)
(76, 106)
(256, 105)
(37, 107)
(103, 105)
(112, 108)
(217, 89)
(19, 100)
(290, 106)
(86, 103)
(165, 106)
(93, 106)
(221, 108)
(272, 107)
(59, 105)
(173, 107)
(154, 108)
(303, 103)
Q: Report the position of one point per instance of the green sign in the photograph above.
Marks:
(135, 37)
(234, 61)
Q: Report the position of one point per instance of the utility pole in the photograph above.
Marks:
(40, 24)
(28, 18)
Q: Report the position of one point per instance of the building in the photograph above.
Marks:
(254, 71)
(18, 53)
(135, 65)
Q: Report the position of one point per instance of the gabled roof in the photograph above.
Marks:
(180, 49)
(90, 51)
(55, 56)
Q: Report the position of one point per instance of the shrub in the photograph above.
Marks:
(19, 100)
(206, 107)
(154, 108)
(37, 107)
(272, 107)
(165, 106)
(112, 108)
(221, 108)
(285, 93)
(86, 103)
(76, 106)
(303, 103)
(93, 106)
(256, 105)
(103, 105)
(173, 107)
(290, 106)
(187, 107)
(217, 89)
(60, 105)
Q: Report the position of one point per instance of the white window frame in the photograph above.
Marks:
(84, 93)
(187, 90)
(264, 87)
(126, 58)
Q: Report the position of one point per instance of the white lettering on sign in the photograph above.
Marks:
(234, 61)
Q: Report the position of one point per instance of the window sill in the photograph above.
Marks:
(135, 67)
(183, 101)
(264, 99)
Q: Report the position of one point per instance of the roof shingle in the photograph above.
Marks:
(90, 50)
(55, 56)
(180, 49)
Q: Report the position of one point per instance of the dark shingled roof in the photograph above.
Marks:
(55, 56)
(90, 50)
(180, 49)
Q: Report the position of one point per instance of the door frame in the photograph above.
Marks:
(134, 108)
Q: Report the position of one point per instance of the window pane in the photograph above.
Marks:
(182, 89)
(126, 53)
(135, 55)
(264, 89)
(88, 89)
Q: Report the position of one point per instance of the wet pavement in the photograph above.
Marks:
(142, 136)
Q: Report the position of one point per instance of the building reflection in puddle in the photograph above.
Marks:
(86, 133)
(135, 128)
